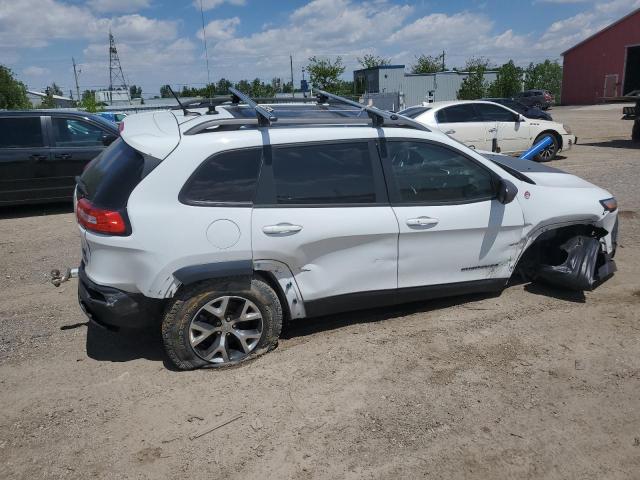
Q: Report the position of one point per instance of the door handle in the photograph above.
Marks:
(38, 158)
(493, 130)
(281, 229)
(450, 132)
(63, 156)
(422, 222)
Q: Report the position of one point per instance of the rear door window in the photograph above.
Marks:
(71, 132)
(326, 174)
(228, 177)
(494, 113)
(462, 113)
(21, 132)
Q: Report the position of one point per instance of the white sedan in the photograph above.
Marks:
(492, 127)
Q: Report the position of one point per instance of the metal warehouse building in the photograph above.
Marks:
(605, 65)
(400, 89)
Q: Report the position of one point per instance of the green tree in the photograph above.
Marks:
(325, 74)
(546, 76)
(89, 101)
(13, 93)
(135, 91)
(222, 87)
(244, 86)
(475, 63)
(428, 64)
(508, 81)
(165, 91)
(370, 61)
(474, 86)
(53, 89)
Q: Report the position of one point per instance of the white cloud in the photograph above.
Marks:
(34, 71)
(211, 4)
(35, 23)
(118, 6)
(139, 29)
(220, 29)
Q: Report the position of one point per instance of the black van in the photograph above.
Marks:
(42, 151)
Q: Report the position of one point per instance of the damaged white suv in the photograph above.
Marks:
(221, 224)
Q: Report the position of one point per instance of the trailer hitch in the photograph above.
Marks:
(57, 278)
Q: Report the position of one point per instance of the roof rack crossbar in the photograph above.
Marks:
(237, 123)
(265, 114)
(378, 117)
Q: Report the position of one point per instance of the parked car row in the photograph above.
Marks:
(492, 127)
(42, 152)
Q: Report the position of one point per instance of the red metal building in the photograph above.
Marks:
(605, 65)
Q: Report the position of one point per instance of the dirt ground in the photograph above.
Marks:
(535, 383)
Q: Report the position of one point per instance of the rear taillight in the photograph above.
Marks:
(100, 220)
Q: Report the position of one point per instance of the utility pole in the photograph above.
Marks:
(293, 89)
(443, 60)
(75, 74)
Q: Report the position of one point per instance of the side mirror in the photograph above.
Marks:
(520, 118)
(506, 191)
(108, 139)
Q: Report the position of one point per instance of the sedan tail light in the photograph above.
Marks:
(99, 220)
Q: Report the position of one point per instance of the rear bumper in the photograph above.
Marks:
(113, 308)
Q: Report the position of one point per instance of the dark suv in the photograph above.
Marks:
(42, 151)
(542, 99)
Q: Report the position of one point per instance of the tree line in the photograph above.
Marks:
(326, 74)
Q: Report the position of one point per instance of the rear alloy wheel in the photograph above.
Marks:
(217, 324)
(548, 153)
(226, 329)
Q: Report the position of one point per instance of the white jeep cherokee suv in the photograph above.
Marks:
(221, 224)
(493, 127)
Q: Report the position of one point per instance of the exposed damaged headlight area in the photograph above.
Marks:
(572, 258)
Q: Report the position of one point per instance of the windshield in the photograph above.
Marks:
(413, 112)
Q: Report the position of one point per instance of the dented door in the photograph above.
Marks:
(322, 210)
(452, 229)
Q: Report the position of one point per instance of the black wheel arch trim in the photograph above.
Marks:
(242, 270)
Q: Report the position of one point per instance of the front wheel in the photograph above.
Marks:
(215, 324)
(549, 153)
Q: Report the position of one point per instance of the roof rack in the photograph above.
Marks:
(379, 118)
(266, 116)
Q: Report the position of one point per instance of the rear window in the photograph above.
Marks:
(228, 177)
(16, 132)
(110, 178)
(413, 112)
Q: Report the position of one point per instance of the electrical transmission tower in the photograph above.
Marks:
(116, 75)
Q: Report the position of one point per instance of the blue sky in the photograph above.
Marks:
(160, 41)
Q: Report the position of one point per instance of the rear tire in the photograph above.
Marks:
(214, 324)
(548, 153)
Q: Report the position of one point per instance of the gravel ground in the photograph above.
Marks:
(534, 383)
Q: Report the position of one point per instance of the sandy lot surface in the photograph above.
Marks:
(535, 383)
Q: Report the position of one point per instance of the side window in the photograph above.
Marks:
(433, 174)
(494, 113)
(16, 132)
(70, 132)
(458, 114)
(323, 174)
(229, 177)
